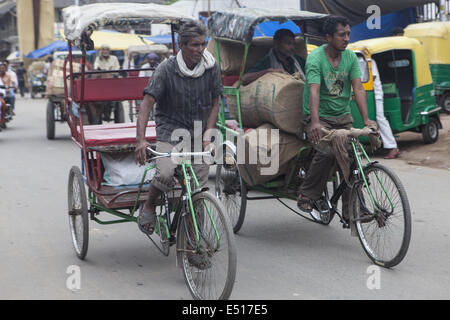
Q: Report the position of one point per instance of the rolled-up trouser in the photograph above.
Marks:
(165, 169)
(324, 159)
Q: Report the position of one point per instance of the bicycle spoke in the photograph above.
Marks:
(386, 235)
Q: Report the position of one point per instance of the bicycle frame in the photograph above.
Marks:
(358, 152)
(164, 224)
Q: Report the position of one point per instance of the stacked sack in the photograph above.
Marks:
(267, 155)
(55, 78)
(274, 101)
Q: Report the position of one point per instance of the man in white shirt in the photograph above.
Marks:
(385, 129)
(106, 61)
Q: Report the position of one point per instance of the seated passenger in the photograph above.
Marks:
(281, 58)
(152, 62)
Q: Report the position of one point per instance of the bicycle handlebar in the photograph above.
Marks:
(177, 154)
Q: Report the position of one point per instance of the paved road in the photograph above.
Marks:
(280, 255)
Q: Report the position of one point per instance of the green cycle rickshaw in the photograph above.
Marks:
(378, 200)
(409, 101)
(435, 38)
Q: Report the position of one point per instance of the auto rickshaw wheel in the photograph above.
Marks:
(430, 131)
(50, 120)
(445, 102)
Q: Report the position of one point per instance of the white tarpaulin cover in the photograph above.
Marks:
(78, 18)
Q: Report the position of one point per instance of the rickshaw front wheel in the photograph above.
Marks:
(430, 131)
(78, 212)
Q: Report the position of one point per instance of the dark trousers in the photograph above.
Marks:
(324, 160)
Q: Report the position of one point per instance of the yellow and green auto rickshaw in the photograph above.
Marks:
(435, 38)
(409, 101)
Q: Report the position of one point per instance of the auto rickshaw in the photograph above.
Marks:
(409, 102)
(435, 38)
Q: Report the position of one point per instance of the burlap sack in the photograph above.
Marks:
(274, 98)
(55, 78)
(232, 53)
(263, 156)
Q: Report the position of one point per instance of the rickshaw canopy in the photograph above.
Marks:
(117, 40)
(155, 48)
(78, 20)
(435, 37)
(239, 24)
(378, 45)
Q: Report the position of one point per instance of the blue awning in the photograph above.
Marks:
(389, 21)
(269, 28)
(162, 39)
(58, 45)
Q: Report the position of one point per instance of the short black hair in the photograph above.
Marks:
(281, 33)
(331, 22)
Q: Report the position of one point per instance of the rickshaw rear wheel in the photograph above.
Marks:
(445, 102)
(78, 212)
(50, 120)
(430, 131)
(231, 189)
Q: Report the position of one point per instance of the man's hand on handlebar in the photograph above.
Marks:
(209, 146)
(315, 132)
(140, 154)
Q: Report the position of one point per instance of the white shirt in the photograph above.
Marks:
(146, 73)
(13, 77)
(2, 91)
(377, 87)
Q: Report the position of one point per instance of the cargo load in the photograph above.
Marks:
(264, 154)
(231, 53)
(274, 98)
(55, 78)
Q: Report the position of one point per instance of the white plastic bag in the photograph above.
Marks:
(121, 169)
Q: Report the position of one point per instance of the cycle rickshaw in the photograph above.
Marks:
(378, 201)
(189, 218)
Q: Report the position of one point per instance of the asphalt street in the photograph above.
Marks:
(280, 255)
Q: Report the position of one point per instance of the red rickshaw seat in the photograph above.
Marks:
(117, 134)
(229, 80)
(111, 89)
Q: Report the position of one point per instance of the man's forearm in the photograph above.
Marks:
(361, 103)
(314, 106)
(144, 113)
(212, 119)
(250, 77)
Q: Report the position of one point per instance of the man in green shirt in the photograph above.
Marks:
(331, 73)
(281, 58)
